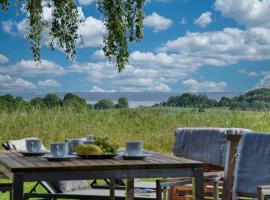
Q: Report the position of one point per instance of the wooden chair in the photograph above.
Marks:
(204, 143)
(247, 167)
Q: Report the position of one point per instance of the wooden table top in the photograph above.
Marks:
(15, 162)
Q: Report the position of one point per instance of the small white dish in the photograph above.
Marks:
(50, 157)
(141, 156)
(39, 153)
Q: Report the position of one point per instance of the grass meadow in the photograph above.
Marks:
(155, 126)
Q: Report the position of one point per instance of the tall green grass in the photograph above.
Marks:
(155, 126)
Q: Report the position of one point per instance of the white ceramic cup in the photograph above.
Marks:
(134, 148)
(59, 149)
(90, 137)
(73, 143)
(33, 145)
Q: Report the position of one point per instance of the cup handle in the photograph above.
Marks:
(32, 146)
(57, 150)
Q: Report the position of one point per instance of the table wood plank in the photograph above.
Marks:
(16, 162)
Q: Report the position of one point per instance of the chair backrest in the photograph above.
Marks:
(52, 186)
(252, 164)
(20, 144)
(208, 145)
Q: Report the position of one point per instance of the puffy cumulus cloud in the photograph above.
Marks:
(157, 23)
(104, 73)
(92, 30)
(13, 28)
(219, 48)
(7, 26)
(204, 19)
(205, 86)
(247, 12)
(49, 83)
(3, 59)
(28, 68)
(86, 2)
(99, 89)
(98, 55)
(249, 73)
(10, 84)
(264, 81)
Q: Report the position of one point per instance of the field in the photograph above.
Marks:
(155, 126)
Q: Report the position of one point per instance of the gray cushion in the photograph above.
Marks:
(252, 164)
(204, 144)
(69, 186)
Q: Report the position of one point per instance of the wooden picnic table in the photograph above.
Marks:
(29, 169)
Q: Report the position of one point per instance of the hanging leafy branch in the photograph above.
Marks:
(36, 26)
(64, 26)
(124, 22)
(122, 18)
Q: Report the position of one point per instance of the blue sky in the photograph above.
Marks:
(188, 45)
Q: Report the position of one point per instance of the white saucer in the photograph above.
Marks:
(39, 153)
(125, 156)
(50, 157)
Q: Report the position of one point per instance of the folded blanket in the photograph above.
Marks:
(204, 144)
(252, 164)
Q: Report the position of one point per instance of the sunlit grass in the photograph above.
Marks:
(155, 126)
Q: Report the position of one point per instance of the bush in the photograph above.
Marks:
(122, 103)
(52, 100)
(38, 103)
(104, 104)
(74, 101)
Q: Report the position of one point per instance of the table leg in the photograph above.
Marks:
(130, 189)
(17, 187)
(198, 184)
(112, 189)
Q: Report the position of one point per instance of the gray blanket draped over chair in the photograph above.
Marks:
(204, 144)
(252, 166)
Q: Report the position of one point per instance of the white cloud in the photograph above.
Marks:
(29, 68)
(250, 74)
(104, 73)
(98, 55)
(264, 81)
(49, 83)
(10, 84)
(219, 48)
(3, 59)
(204, 19)
(86, 2)
(157, 23)
(7, 26)
(98, 89)
(92, 31)
(205, 86)
(247, 12)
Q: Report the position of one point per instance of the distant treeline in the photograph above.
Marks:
(257, 100)
(72, 101)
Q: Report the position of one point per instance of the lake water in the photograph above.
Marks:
(135, 98)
